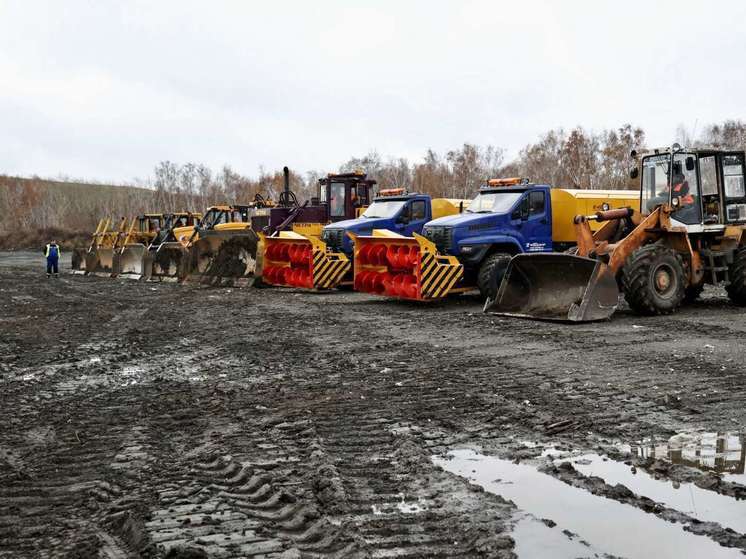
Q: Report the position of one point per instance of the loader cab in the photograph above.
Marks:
(705, 188)
(344, 195)
(150, 223)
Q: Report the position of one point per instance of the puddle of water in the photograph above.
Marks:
(533, 538)
(605, 524)
(724, 452)
(704, 505)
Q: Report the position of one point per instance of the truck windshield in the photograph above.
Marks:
(493, 202)
(389, 208)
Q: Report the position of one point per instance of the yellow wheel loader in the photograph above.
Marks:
(689, 232)
(134, 259)
(80, 255)
(470, 249)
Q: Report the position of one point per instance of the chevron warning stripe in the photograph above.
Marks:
(438, 276)
(329, 269)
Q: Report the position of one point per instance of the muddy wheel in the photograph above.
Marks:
(491, 274)
(692, 292)
(653, 280)
(737, 287)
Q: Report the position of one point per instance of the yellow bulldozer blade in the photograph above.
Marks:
(79, 256)
(100, 262)
(224, 258)
(391, 265)
(554, 286)
(294, 260)
(129, 262)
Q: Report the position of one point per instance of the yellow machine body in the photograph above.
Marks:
(567, 203)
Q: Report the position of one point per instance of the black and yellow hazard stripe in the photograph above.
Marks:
(437, 276)
(329, 269)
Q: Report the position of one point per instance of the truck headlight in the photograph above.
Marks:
(467, 249)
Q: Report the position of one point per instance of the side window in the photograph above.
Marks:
(708, 175)
(418, 210)
(733, 176)
(536, 203)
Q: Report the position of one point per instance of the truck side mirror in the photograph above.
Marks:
(524, 209)
(634, 173)
(690, 163)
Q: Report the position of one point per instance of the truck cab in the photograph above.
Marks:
(507, 217)
(392, 209)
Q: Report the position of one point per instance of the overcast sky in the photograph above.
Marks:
(105, 90)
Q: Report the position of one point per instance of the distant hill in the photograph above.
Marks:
(35, 209)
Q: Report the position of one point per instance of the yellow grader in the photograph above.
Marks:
(689, 232)
(134, 258)
(471, 249)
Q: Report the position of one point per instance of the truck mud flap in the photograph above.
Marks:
(292, 260)
(225, 259)
(404, 268)
(560, 287)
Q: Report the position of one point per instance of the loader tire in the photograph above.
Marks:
(491, 273)
(653, 280)
(737, 287)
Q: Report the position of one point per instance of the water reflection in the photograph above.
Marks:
(720, 452)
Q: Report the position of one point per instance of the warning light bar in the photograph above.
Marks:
(513, 181)
(391, 192)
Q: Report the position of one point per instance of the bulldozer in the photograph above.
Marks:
(98, 258)
(293, 253)
(689, 232)
(219, 249)
(134, 259)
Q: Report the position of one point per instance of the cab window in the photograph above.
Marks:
(337, 201)
(733, 176)
(418, 210)
(536, 203)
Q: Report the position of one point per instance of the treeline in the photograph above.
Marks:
(576, 158)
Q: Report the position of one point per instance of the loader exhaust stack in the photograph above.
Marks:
(560, 287)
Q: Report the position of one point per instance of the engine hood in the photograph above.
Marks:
(361, 224)
(467, 219)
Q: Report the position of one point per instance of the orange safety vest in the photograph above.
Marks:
(687, 198)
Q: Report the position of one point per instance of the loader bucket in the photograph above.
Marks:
(553, 286)
(169, 262)
(293, 260)
(130, 262)
(224, 258)
(403, 267)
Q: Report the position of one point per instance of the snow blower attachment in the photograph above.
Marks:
(403, 267)
(294, 260)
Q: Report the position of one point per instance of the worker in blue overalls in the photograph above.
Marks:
(52, 252)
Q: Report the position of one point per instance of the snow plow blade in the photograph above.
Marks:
(294, 260)
(129, 262)
(560, 287)
(224, 258)
(391, 265)
(79, 256)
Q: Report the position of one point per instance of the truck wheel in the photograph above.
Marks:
(737, 287)
(491, 273)
(653, 280)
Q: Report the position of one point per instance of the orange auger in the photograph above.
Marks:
(391, 265)
(294, 260)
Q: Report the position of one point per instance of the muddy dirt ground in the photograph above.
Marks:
(162, 420)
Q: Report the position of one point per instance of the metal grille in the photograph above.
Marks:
(442, 237)
(334, 238)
